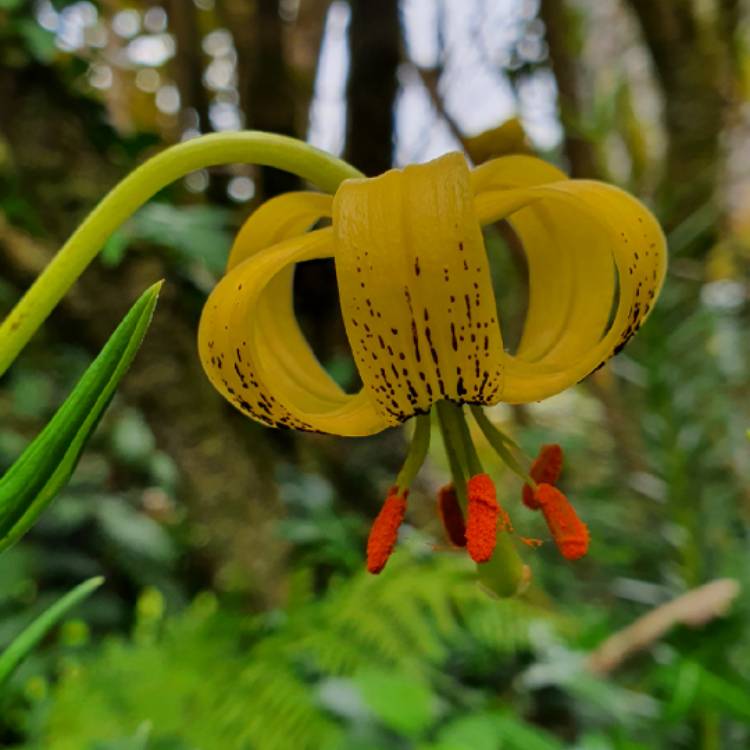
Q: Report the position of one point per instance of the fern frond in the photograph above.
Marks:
(196, 683)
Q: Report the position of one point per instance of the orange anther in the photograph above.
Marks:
(545, 469)
(452, 516)
(571, 535)
(484, 517)
(384, 531)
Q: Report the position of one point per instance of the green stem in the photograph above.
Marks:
(499, 441)
(253, 147)
(420, 444)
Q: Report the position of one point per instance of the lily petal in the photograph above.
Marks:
(586, 242)
(251, 346)
(415, 287)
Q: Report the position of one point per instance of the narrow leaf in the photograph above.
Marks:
(48, 461)
(31, 635)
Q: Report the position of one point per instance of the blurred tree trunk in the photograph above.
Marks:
(267, 92)
(693, 52)
(187, 67)
(375, 45)
(579, 151)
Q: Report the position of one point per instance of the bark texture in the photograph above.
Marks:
(375, 44)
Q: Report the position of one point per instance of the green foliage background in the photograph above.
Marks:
(191, 646)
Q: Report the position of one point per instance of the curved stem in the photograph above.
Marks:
(420, 444)
(255, 147)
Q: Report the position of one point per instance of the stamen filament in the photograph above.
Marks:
(420, 444)
(504, 573)
(454, 451)
(497, 439)
(472, 459)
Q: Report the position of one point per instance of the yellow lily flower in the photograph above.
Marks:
(419, 310)
(421, 318)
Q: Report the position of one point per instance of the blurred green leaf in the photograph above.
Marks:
(132, 440)
(198, 234)
(693, 686)
(492, 731)
(477, 731)
(28, 639)
(114, 248)
(134, 532)
(518, 735)
(39, 41)
(404, 704)
(47, 463)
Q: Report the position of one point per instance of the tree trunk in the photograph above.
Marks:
(375, 44)
(267, 91)
(694, 62)
(579, 151)
(582, 163)
(187, 66)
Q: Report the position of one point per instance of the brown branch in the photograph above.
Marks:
(430, 78)
(693, 64)
(694, 609)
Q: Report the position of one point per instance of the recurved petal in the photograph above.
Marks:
(262, 374)
(278, 219)
(591, 248)
(278, 332)
(560, 320)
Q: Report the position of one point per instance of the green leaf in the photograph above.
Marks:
(47, 463)
(404, 704)
(491, 730)
(28, 639)
(197, 234)
(39, 41)
(477, 731)
(115, 248)
(517, 735)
